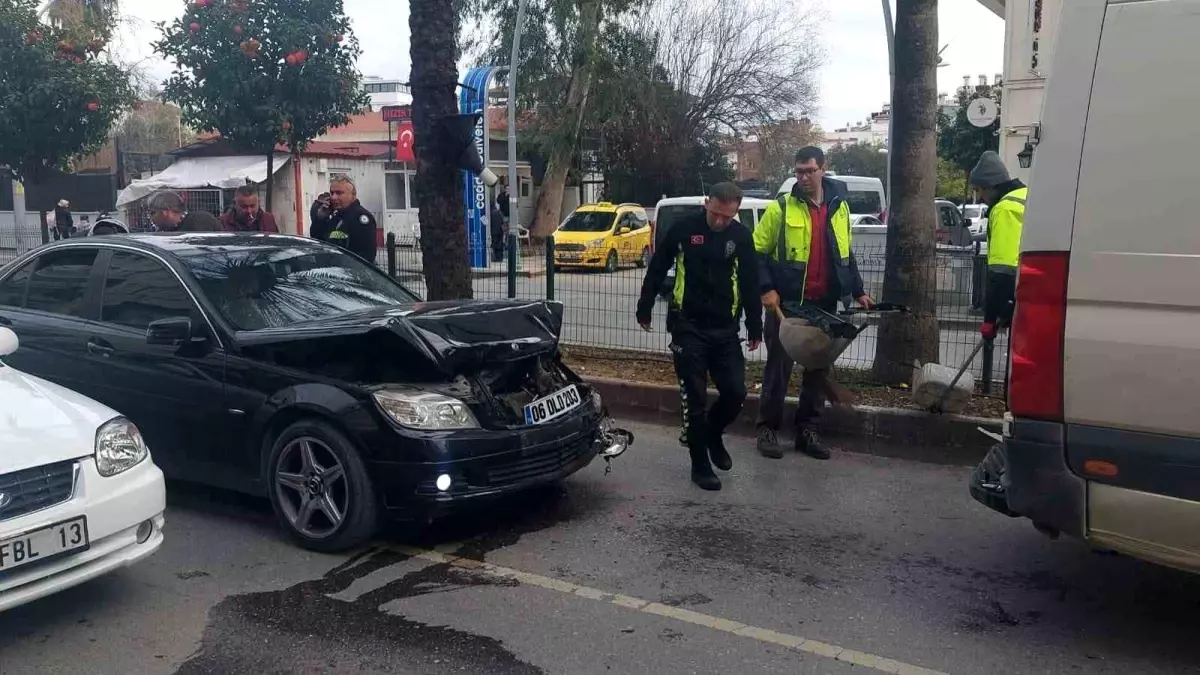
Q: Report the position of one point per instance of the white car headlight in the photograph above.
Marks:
(119, 447)
(425, 410)
(595, 243)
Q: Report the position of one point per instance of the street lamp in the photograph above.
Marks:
(1025, 156)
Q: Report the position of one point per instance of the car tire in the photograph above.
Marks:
(333, 470)
(611, 263)
(644, 260)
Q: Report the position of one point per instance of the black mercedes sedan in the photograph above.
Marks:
(285, 367)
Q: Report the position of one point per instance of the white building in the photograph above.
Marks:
(872, 131)
(385, 92)
(1030, 27)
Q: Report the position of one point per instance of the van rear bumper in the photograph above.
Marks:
(1039, 482)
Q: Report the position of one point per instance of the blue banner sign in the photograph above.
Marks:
(474, 99)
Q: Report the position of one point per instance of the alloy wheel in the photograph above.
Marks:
(310, 484)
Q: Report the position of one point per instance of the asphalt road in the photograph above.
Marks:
(885, 563)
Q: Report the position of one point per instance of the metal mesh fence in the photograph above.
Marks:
(600, 289)
(16, 239)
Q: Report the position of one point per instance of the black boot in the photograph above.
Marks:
(768, 443)
(717, 452)
(702, 472)
(808, 442)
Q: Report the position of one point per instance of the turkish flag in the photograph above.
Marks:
(404, 143)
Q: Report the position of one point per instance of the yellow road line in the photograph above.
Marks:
(766, 635)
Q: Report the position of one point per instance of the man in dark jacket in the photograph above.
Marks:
(64, 222)
(804, 242)
(716, 273)
(246, 215)
(349, 225)
(319, 212)
(168, 214)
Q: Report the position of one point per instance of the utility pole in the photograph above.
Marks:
(514, 192)
(18, 193)
(890, 27)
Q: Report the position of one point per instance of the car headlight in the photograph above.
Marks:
(119, 447)
(595, 243)
(425, 410)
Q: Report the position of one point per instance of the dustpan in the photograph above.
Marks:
(815, 339)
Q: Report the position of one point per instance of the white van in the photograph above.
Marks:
(669, 211)
(1103, 438)
(864, 195)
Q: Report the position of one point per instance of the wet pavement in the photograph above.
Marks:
(886, 562)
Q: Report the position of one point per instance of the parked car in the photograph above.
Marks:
(976, 217)
(951, 228)
(285, 367)
(603, 236)
(1103, 439)
(670, 211)
(862, 220)
(79, 494)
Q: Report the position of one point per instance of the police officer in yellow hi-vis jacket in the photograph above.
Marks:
(1005, 197)
(803, 242)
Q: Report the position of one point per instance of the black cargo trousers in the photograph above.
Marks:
(699, 353)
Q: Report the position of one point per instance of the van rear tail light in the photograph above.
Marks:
(1035, 388)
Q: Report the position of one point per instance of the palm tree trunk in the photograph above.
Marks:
(549, 202)
(433, 25)
(910, 275)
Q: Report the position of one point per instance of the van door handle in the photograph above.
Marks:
(98, 347)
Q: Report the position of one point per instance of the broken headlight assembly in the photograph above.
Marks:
(424, 410)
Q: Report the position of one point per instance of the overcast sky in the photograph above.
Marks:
(854, 81)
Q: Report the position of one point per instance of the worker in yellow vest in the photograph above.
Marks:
(1005, 197)
(803, 242)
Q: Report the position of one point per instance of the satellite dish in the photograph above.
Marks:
(982, 112)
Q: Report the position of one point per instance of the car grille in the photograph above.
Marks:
(540, 462)
(29, 490)
(570, 248)
(506, 471)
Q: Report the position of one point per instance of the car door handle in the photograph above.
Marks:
(5, 321)
(98, 347)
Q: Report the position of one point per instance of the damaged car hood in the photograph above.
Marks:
(456, 336)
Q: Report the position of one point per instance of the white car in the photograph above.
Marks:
(978, 215)
(79, 494)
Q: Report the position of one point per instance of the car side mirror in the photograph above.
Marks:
(966, 222)
(624, 229)
(8, 341)
(173, 332)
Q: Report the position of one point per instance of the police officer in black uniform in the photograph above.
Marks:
(716, 277)
(349, 224)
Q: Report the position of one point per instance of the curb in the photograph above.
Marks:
(885, 432)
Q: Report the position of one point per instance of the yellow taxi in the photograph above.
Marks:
(604, 236)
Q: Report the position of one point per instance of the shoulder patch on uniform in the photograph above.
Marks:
(364, 219)
(697, 240)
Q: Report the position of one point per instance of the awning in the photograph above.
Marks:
(194, 173)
